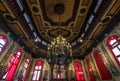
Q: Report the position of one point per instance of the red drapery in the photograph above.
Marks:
(89, 67)
(104, 73)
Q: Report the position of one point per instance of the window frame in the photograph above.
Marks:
(38, 70)
(4, 38)
(113, 46)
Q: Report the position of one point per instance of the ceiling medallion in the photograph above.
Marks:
(59, 8)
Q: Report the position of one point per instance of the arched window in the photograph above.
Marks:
(9, 72)
(104, 73)
(3, 42)
(37, 73)
(24, 69)
(114, 45)
(79, 71)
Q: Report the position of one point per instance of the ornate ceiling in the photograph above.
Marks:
(36, 22)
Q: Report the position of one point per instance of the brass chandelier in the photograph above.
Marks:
(60, 51)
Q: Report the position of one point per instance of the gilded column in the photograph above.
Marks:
(86, 70)
(31, 69)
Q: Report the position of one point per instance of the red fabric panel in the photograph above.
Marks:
(89, 67)
(105, 75)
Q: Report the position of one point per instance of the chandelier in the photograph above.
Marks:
(59, 52)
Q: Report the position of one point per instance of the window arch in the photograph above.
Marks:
(3, 43)
(79, 71)
(114, 45)
(9, 72)
(37, 73)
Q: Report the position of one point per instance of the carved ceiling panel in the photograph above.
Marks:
(49, 23)
(76, 19)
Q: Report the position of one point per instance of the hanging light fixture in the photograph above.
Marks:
(59, 51)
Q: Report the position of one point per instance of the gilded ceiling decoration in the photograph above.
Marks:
(37, 19)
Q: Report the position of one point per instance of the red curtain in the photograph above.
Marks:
(104, 73)
(89, 67)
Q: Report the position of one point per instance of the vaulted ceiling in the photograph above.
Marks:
(35, 23)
